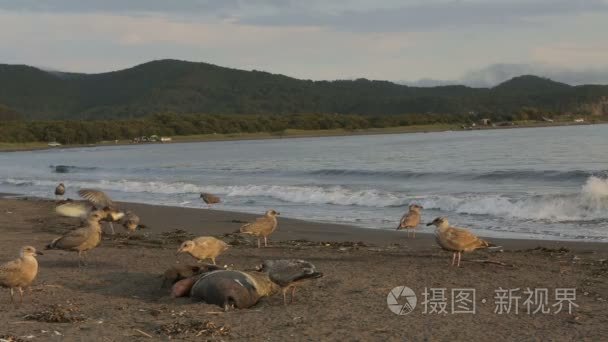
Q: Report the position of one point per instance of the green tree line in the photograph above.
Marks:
(168, 124)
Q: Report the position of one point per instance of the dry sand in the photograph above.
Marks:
(117, 297)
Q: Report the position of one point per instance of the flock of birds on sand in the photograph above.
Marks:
(207, 282)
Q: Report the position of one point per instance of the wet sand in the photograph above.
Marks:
(118, 296)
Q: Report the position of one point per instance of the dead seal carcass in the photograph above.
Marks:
(232, 289)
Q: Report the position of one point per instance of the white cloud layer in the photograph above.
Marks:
(333, 39)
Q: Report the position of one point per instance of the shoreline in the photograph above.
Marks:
(162, 218)
(292, 134)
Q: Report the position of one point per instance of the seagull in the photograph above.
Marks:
(82, 239)
(456, 240)
(288, 273)
(98, 198)
(209, 199)
(203, 247)
(131, 222)
(411, 219)
(21, 272)
(262, 227)
(59, 191)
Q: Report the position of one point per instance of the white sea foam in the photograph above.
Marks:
(590, 204)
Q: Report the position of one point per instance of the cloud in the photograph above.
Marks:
(431, 15)
(316, 39)
(354, 15)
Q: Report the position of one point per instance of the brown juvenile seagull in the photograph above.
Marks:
(99, 199)
(21, 272)
(411, 219)
(82, 239)
(288, 273)
(262, 227)
(131, 222)
(209, 199)
(456, 240)
(59, 191)
(203, 247)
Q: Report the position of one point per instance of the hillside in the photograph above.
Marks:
(187, 87)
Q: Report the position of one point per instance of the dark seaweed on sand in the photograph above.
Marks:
(193, 327)
(56, 313)
(176, 236)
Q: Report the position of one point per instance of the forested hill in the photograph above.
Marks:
(187, 87)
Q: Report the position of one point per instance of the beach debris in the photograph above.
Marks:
(237, 239)
(10, 338)
(57, 313)
(560, 250)
(494, 262)
(176, 236)
(143, 333)
(193, 328)
(262, 226)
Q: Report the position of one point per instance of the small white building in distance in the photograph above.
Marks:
(579, 120)
(165, 139)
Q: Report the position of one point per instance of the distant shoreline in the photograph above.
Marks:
(291, 134)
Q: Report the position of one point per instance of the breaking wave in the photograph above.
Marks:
(591, 203)
(588, 205)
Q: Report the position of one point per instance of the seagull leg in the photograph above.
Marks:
(453, 258)
(259, 243)
(459, 254)
(284, 296)
(213, 259)
(112, 227)
(12, 294)
(293, 292)
(20, 295)
(414, 231)
(265, 241)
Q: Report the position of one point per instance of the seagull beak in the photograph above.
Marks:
(278, 214)
(429, 224)
(39, 253)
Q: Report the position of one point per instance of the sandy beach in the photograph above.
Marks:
(118, 296)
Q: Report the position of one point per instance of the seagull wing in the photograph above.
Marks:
(9, 269)
(284, 272)
(72, 210)
(96, 197)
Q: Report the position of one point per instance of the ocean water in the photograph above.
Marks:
(537, 183)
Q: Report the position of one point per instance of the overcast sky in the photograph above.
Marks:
(403, 40)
